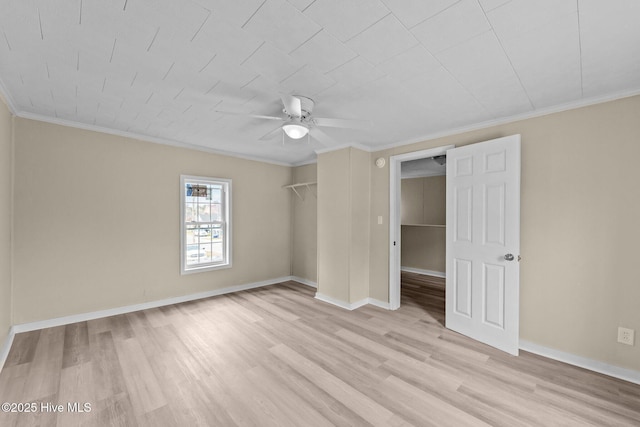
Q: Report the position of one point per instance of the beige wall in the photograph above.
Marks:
(434, 200)
(579, 211)
(411, 199)
(423, 248)
(304, 253)
(333, 224)
(343, 224)
(5, 221)
(423, 201)
(97, 221)
(360, 206)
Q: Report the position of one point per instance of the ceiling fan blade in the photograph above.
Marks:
(322, 137)
(271, 134)
(342, 123)
(292, 105)
(255, 116)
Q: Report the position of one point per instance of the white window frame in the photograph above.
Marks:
(226, 224)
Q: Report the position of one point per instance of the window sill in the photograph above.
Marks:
(204, 268)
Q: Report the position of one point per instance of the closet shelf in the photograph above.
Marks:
(301, 184)
(425, 225)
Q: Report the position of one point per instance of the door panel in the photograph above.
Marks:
(493, 295)
(462, 292)
(483, 214)
(464, 215)
(495, 162)
(494, 214)
(463, 166)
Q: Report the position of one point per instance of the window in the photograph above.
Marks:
(205, 223)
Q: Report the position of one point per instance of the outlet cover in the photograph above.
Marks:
(626, 336)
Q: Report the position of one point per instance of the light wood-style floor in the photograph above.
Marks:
(277, 357)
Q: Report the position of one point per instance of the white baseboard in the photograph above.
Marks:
(378, 303)
(353, 305)
(304, 281)
(4, 350)
(424, 272)
(582, 362)
(339, 303)
(59, 321)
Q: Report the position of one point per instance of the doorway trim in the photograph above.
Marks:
(395, 168)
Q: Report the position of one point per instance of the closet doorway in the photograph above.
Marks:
(423, 196)
(413, 216)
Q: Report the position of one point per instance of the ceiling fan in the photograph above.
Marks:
(299, 121)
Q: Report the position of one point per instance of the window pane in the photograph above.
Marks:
(215, 210)
(203, 232)
(216, 232)
(216, 194)
(217, 240)
(190, 212)
(196, 254)
(204, 213)
(190, 234)
(207, 252)
(205, 222)
(217, 251)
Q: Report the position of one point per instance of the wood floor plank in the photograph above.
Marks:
(116, 411)
(292, 406)
(77, 387)
(315, 397)
(270, 309)
(76, 344)
(384, 352)
(192, 405)
(40, 419)
(513, 402)
(591, 409)
(144, 390)
(244, 405)
(43, 378)
(10, 387)
(320, 340)
(426, 408)
(276, 356)
(159, 417)
(106, 367)
(358, 402)
(23, 348)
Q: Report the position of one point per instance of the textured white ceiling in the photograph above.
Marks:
(160, 69)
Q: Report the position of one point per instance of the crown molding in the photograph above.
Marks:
(306, 162)
(347, 145)
(511, 119)
(146, 138)
(4, 94)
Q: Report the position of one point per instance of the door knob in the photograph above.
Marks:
(508, 257)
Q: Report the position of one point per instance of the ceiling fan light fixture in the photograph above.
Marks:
(295, 130)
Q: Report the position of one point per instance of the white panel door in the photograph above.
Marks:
(483, 242)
